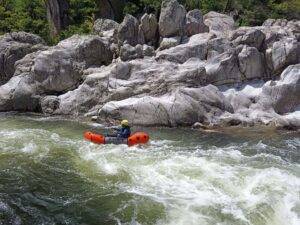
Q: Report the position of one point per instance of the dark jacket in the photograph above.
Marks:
(124, 132)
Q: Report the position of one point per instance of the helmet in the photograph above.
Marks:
(124, 123)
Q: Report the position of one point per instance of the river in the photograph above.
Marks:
(50, 175)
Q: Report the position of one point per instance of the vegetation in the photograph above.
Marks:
(31, 15)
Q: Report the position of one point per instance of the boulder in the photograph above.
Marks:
(53, 71)
(149, 26)
(172, 19)
(248, 36)
(13, 47)
(194, 23)
(217, 46)
(135, 78)
(282, 54)
(183, 107)
(251, 63)
(223, 69)
(283, 95)
(169, 42)
(128, 31)
(218, 23)
(102, 25)
(128, 52)
(196, 47)
(49, 104)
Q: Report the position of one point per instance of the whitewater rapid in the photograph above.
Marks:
(168, 181)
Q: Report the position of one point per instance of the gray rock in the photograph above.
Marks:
(148, 50)
(13, 47)
(169, 42)
(223, 69)
(102, 25)
(282, 54)
(128, 31)
(53, 71)
(194, 23)
(196, 47)
(284, 94)
(149, 26)
(172, 19)
(183, 107)
(219, 23)
(49, 104)
(248, 36)
(128, 52)
(217, 46)
(251, 63)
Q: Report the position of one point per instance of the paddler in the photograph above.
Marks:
(123, 131)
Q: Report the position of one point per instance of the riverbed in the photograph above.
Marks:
(50, 175)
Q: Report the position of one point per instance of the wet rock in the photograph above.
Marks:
(194, 23)
(172, 19)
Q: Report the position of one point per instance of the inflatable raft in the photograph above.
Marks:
(134, 139)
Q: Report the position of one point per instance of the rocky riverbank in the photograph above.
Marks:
(181, 69)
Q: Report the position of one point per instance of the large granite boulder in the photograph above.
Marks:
(194, 23)
(149, 27)
(106, 28)
(282, 54)
(182, 107)
(283, 95)
(196, 47)
(172, 19)
(53, 71)
(128, 31)
(218, 23)
(224, 69)
(13, 47)
(251, 63)
(248, 36)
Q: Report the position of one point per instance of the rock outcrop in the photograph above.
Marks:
(53, 71)
(191, 69)
(172, 19)
(194, 23)
(13, 47)
(218, 23)
(128, 31)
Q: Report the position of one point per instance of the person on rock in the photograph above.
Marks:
(123, 131)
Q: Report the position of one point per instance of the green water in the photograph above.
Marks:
(50, 175)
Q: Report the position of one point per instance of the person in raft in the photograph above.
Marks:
(123, 131)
